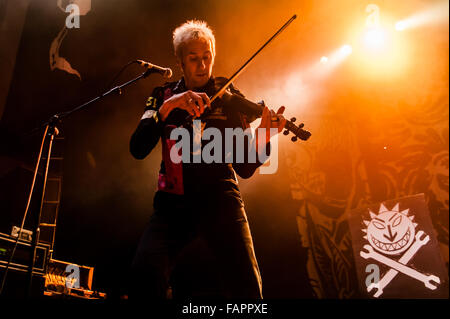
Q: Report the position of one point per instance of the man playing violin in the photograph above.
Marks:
(197, 199)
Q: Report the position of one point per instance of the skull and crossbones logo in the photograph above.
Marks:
(393, 233)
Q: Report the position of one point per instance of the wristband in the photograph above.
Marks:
(152, 114)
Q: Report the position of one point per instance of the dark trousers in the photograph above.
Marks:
(223, 225)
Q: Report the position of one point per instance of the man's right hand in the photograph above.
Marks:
(192, 102)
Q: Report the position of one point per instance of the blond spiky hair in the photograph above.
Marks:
(192, 29)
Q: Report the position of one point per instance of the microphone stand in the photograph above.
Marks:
(51, 131)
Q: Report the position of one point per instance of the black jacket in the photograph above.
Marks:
(191, 177)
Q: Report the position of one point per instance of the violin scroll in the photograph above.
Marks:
(298, 131)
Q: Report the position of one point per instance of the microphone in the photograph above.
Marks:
(166, 72)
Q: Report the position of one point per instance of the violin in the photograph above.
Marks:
(250, 109)
(254, 110)
(238, 103)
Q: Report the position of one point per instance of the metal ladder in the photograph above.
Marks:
(52, 197)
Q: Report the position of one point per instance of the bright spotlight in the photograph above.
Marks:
(330, 61)
(374, 38)
(400, 26)
(434, 15)
(346, 49)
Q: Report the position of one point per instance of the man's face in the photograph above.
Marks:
(197, 63)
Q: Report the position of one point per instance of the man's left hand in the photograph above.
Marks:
(270, 119)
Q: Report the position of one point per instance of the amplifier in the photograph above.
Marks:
(22, 256)
(16, 285)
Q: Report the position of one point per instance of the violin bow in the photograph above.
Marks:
(243, 67)
(290, 126)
